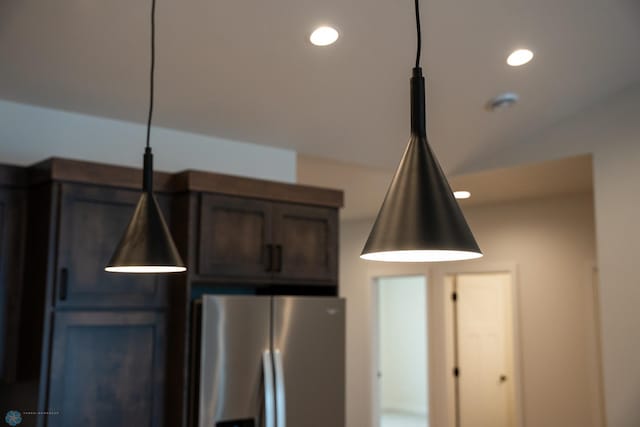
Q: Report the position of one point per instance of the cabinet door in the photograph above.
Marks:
(12, 212)
(107, 369)
(92, 221)
(306, 240)
(234, 237)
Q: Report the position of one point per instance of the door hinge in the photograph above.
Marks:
(456, 372)
(454, 296)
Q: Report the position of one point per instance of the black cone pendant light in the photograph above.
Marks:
(147, 246)
(420, 220)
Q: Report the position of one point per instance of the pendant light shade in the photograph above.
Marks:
(420, 220)
(147, 246)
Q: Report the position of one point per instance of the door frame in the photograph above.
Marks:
(442, 338)
(593, 332)
(377, 271)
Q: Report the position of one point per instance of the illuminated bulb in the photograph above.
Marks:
(519, 57)
(324, 36)
(461, 194)
(421, 256)
(145, 269)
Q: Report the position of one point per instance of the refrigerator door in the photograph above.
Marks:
(236, 370)
(309, 361)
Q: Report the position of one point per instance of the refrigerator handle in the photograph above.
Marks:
(281, 395)
(269, 409)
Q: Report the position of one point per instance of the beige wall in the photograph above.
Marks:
(611, 132)
(551, 242)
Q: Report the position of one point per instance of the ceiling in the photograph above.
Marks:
(365, 187)
(246, 71)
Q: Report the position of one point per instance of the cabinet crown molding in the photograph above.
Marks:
(68, 170)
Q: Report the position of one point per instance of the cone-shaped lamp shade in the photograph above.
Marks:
(147, 246)
(420, 220)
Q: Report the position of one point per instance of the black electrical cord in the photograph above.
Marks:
(153, 66)
(419, 35)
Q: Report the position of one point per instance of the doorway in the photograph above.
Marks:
(483, 349)
(402, 351)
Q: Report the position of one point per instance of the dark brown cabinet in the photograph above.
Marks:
(105, 349)
(306, 242)
(91, 222)
(107, 369)
(254, 239)
(12, 211)
(234, 238)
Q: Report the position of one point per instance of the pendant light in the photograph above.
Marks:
(420, 220)
(147, 246)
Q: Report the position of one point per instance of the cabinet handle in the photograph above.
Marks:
(64, 279)
(278, 268)
(269, 256)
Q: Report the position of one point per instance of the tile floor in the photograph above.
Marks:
(395, 419)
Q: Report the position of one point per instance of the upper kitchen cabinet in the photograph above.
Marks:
(228, 229)
(252, 231)
(306, 243)
(235, 237)
(12, 212)
(92, 220)
(253, 239)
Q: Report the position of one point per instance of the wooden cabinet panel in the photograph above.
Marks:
(107, 369)
(12, 211)
(92, 221)
(306, 242)
(234, 236)
(260, 240)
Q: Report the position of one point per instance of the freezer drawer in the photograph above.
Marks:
(309, 361)
(236, 335)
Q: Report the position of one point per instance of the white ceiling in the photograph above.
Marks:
(245, 70)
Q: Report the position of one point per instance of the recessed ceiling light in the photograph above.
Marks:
(461, 194)
(519, 57)
(324, 36)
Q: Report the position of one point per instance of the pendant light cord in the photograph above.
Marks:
(147, 174)
(153, 66)
(419, 34)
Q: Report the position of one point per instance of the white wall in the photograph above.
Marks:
(611, 131)
(30, 134)
(402, 326)
(552, 242)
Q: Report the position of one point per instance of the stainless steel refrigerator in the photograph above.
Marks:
(272, 362)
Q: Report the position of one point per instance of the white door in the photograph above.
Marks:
(484, 350)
